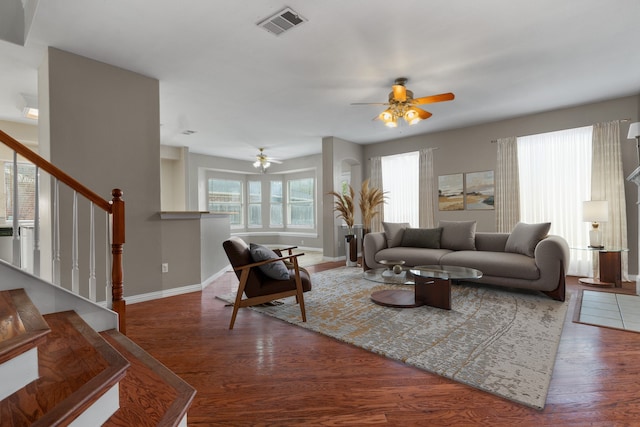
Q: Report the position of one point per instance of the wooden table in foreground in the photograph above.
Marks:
(432, 287)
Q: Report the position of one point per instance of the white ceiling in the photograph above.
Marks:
(240, 87)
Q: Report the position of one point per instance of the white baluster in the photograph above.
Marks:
(75, 278)
(56, 233)
(92, 255)
(16, 214)
(36, 226)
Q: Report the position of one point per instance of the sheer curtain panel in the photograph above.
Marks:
(507, 185)
(375, 181)
(555, 178)
(400, 182)
(607, 183)
(427, 187)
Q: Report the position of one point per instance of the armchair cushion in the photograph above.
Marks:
(275, 270)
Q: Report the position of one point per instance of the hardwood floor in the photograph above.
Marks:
(267, 372)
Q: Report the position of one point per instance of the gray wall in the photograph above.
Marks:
(470, 149)
(338, 156)
(101, 125)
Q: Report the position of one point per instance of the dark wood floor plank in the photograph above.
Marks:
(268, 372)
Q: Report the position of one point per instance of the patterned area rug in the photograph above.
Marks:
(502, 342)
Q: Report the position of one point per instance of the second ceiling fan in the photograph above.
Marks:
(402, 104)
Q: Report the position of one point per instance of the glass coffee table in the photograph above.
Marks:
(432, 287)
(387, 275)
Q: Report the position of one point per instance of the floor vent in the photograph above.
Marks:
(282, 21)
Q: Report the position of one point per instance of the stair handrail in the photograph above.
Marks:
(115, 207)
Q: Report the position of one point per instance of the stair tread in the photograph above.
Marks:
(76, 366)
(151, 394)
(22, 327)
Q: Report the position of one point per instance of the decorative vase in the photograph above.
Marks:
(351, 250)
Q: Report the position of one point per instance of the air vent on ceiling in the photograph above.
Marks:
(282, 21)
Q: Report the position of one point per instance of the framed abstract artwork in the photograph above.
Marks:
(479, 190)
(451, 192)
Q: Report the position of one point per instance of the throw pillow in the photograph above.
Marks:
(421, 238)
(458, 235)
(524, 238)
(394, 232)
(274, 270)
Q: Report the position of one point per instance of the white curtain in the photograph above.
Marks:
(400, 182)
(607, 183)
(555, 178)
(427, 189)
(507, 197)
(375, 181)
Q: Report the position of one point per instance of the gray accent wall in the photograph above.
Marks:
(101, 125)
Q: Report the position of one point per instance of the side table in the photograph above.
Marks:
(609, 261)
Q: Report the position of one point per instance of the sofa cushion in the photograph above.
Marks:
(458, 235)
(394, 231)
(492, 242)
(498, 264)
(275, 270)
(412, 256)
(524, 237)
(421, 238)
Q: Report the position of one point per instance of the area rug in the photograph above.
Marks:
(502, 342)
(608, 310)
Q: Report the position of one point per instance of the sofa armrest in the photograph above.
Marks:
(550, 251)
(371, 245)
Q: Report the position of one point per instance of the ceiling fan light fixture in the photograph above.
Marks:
(386, 115)
(392, 122)
(412, 116)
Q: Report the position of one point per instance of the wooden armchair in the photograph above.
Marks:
(258, 287)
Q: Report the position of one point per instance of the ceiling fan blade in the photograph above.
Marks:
(399, 93)
(369, 103)
(275, 161)
(422, 113)
(433, 98)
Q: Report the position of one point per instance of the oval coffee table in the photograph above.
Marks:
(432, 287)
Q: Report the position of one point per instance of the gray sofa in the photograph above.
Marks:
(526, 258)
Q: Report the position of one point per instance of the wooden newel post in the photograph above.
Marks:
(119, 305)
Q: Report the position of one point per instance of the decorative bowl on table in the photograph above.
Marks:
(393, 265)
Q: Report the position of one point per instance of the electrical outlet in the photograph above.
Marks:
(302, 242)
(165, 267)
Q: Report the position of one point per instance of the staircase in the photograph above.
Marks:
(63, 363)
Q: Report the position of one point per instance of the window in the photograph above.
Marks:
(555, 178)
(300, 206)
(226, 196)
(275, 204)
(26, 191)
(254, 209)
(400, 182)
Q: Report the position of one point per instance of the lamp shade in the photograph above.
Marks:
(634, 130)
(595, 211)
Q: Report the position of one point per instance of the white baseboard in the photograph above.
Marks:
(133, 299)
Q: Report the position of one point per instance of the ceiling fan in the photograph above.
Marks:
(263, 161)
(403, 104)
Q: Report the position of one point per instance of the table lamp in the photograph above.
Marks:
(595, 211)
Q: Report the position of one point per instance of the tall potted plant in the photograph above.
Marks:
(370, 199)
(345, 206)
